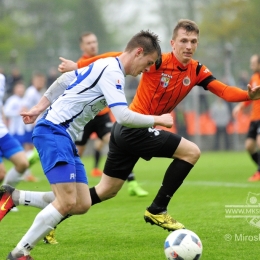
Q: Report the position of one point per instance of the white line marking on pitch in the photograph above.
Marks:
(221, 184)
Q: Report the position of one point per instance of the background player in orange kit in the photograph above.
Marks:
(252, 143)
(160, 90)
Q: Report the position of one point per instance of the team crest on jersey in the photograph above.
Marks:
(186, 81)
(165, 79)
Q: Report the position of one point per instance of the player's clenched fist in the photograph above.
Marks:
(164, 120)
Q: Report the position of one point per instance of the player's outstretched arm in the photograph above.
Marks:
(30, 116)
(129, 118)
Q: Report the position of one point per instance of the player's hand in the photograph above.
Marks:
(29, 117)
(236, 110)
(164, 120)
(67, 65)
(253, 92)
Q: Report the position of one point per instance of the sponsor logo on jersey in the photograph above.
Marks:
(165, 79)
(118, 85)
(186, 81)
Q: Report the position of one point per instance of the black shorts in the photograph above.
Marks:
(254, 129)
(99, 124)
(127, 145)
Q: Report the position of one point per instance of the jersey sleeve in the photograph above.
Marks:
(112, 86)
(229, 93)
(204, 76)
(86, 62)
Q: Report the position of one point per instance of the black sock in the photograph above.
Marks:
(97, 158)
(131, 177)
(94, 197)
(67, 216)
(173, 178)
(258, 161)
(254, 157)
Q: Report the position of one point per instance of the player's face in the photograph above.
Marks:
(254, 65)
(184, 45)
(142, 63)
(89, 45)
(39, 82)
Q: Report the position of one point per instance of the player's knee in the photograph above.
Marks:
(193, 153)
(83, 207)
(68, 205)
(22, 165)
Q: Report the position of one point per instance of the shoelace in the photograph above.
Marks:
(169, 218)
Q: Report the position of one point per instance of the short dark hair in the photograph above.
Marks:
(188, 25)
(85, 34)
(146, 40)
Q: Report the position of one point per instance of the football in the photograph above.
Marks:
(183, 244)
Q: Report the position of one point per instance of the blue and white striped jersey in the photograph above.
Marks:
(92, 88)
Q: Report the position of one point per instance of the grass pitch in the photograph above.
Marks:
(115, 229)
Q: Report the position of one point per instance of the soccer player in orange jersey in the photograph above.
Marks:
(252, 143)
(160, 90)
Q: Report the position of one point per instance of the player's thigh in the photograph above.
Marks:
(250, 145)
(83, 198)
(106, 138)
(119, 163)
(20, 161)
(258, 141)
(65, 196)
(2, 171)
(103, 126)
(187, 151)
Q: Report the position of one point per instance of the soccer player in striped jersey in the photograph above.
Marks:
(252, 143)
(160, 90)
(101, 124)
(71, 105)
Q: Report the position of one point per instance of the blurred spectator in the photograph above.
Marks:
(220, 114)
(31, 97)
(53, 74)
(243, 79)
(12, 109)
(11, 80)
(252, 143)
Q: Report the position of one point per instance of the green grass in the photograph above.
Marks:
(115, 229)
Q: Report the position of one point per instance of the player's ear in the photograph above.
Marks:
(172, 43)
(139, 51)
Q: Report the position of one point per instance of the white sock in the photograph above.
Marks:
(12, 177)
(35, 198)
(44, 222)
(26, 173)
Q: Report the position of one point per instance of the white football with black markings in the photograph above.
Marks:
(183, 244)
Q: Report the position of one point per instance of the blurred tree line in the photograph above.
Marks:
(34, 33)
